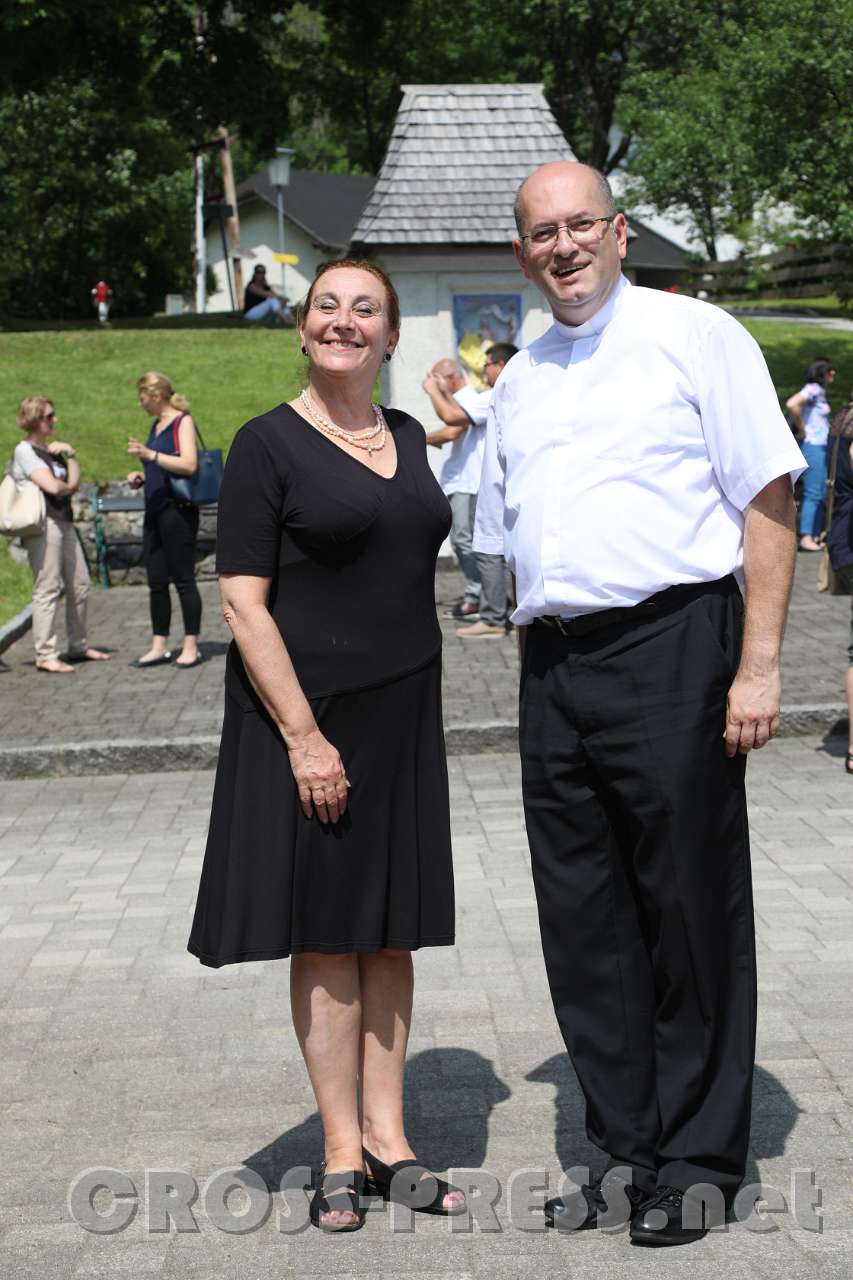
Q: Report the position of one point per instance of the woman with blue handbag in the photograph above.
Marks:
(170, 458)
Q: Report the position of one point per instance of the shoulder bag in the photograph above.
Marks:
(827, 578)
(22, 510)
(201, 489)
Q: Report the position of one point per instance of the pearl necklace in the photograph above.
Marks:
(361, 440)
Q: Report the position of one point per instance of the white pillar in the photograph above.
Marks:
(279, 207)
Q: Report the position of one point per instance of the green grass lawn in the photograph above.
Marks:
(228, 375)
(16, 584)
(789, 347)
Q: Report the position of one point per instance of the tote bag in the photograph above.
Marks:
(827, 578)
(201, 489)
(22, 511)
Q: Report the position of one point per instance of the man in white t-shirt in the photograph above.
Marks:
(463, 411)
(495, 580)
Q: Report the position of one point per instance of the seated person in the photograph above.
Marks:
(262, 300)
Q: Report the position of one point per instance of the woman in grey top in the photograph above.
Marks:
(55, 556)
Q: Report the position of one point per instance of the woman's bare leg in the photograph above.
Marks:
(387, 984)
(326, 1004)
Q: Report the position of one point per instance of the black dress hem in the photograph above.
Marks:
(332, 949)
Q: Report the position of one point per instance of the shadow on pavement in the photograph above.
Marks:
(450, 1094)
(835, 741)
(774, 1114)
(213, 648)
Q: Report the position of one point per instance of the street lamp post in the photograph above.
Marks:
(278, 171)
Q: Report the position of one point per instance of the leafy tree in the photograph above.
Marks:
(589, 54)
(353, 58)
(191, 63)
(692, 155)
(763, 114)
(81, 202)
(797, 82)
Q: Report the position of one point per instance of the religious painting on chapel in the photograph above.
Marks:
(479, 319)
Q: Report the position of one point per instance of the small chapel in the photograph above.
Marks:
(439, 220)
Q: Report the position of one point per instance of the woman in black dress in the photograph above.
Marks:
(330, 835)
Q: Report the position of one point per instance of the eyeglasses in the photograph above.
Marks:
(583, 231)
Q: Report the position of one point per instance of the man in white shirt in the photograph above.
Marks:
(495, 588)
(463, 411)
(637, 470)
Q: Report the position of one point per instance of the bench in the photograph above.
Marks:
(102, 505)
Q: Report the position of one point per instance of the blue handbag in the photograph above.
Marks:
(201, 489)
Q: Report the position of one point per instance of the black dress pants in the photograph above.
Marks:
(168, 547)
(637, 827)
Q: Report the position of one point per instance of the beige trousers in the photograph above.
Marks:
(56, 559)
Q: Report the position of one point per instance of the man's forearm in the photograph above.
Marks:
(447, 408)
(444, 435)
(769, 554)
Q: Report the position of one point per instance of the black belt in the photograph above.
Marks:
(588, 622)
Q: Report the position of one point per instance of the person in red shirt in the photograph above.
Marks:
(102, 296)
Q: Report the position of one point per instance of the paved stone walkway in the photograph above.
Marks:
(119, 1050)
(110, 701)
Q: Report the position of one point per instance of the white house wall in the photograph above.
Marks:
(258, 242)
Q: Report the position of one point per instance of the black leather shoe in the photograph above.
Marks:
(587, 1209)
(660, 1220)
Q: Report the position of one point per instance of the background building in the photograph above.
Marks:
(320, 211)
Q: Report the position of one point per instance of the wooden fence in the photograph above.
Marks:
(791, 273)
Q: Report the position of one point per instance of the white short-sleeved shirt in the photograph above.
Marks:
(815, 413)
(621, 454)
(460, 472)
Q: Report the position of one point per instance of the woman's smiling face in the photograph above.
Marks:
(346, 328)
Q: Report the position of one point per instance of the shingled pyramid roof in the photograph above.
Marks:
(456, 157)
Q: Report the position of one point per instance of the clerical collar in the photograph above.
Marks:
(600, 320)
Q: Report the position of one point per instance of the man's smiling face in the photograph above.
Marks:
(575, 279)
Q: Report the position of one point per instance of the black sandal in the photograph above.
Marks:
(848, 763)
(381, 1182)
(338, 1192)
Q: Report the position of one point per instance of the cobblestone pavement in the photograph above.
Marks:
(120, 1051)
(106, 701)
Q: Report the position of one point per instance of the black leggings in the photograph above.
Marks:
(168, 544)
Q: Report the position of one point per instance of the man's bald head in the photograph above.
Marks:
(576, 261)
(580, 179)
(447, 368)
